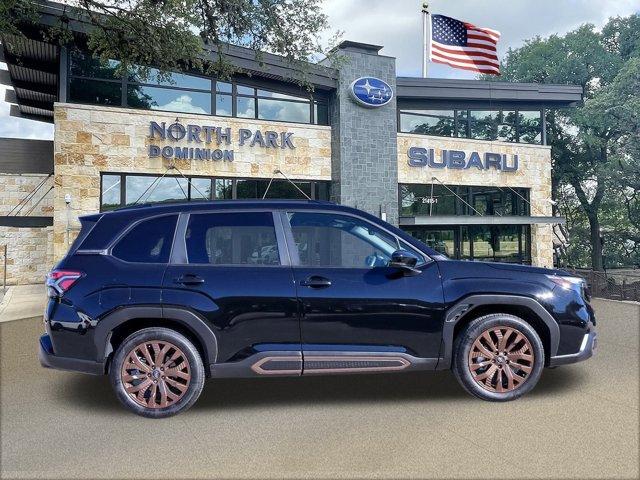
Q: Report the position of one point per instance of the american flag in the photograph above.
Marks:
(463, 45)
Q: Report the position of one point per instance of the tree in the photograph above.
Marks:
(594, 145)
(172, 35)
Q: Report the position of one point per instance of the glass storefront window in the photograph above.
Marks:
(267, 93)
(500, 243)
(84, 64)
(247, 189)
(148, 189)
(180, 80)
(141, 188)
(92, 81)
(246, 107)
(506, 121)
(483, 125)
(110, 197)
(530, 127)
(441, 240)
(462, 123)
(495, 243)
(428, 122)
(200, 189)
(157, 98)
(284, 189)
(418, 199)
(224, 87)
(283, 111)
(242, 90)
(224, 105)
(321, 113)
(223, 188)
(503, 125)
(95, 92)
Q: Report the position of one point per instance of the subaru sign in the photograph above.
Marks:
(371, 92)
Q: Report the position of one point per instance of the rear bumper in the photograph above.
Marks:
(587, 350)
(49, 360)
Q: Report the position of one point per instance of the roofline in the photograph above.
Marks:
(444, 89)
(270, 65)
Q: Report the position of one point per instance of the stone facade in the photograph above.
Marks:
(29, 254)
(534, 173)
(364, 139)
(89, 140)
(29, 250)
(15, 188)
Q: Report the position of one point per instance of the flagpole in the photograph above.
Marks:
(426, 37)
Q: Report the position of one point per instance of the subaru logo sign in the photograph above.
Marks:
(371, 92)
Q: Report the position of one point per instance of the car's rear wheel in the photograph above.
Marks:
(157, 372)
(498, 357)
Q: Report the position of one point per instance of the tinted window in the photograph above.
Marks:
(147, 189)
(95, 92)
(330, 240)
(148, 242)
(152, 75)
(232, 239)
(282, 110)
(428, 122)
(110, 192)
(157, 98)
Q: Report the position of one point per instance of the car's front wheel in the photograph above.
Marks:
(498, 357)
(157, 372)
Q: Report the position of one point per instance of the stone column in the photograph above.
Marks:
(364, 153)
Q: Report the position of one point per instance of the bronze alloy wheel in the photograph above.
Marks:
(156, 374)
(501, 359)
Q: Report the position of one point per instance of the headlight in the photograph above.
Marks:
(567, 283)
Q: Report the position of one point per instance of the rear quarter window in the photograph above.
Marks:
(148, 241)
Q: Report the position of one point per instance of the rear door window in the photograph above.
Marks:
(148, 242)
(243, 238)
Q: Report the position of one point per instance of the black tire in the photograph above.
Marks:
(167, 399)
(524, 372)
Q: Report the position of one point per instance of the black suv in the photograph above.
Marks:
(159, 297)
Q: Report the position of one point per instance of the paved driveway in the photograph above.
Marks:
(580, 422)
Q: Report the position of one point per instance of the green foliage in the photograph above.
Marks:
(596, 146)
(172, 35)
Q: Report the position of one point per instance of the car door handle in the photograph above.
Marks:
(189, 279)
(316, 281)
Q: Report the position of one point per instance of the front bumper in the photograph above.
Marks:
(49, 360)
(587, 350)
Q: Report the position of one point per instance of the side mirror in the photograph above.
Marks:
(404, 261)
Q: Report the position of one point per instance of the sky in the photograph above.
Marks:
(397, 25)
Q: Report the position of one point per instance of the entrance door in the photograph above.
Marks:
(232, 274)
(353, 302)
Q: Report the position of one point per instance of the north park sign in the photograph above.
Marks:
(457, 159)
(201, 135)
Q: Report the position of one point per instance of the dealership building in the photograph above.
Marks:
(463, 165)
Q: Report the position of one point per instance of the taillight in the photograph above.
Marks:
(62, 280)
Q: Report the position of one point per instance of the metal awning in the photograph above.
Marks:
(479, 220)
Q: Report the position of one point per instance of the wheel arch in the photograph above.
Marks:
(475, 306)
(114, 328)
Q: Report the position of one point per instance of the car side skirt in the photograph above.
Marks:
(296, 363)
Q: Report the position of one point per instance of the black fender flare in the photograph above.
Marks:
(186, 318)
(460, 309)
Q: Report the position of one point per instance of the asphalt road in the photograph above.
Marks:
(580, 422)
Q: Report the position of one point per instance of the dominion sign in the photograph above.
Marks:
(199, 136)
